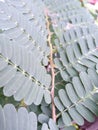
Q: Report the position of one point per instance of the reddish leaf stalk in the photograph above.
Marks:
(52, 66)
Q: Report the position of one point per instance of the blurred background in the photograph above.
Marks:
(92, 6)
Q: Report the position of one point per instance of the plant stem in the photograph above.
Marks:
(52, 67)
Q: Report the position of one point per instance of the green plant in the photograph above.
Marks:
(48, 63)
